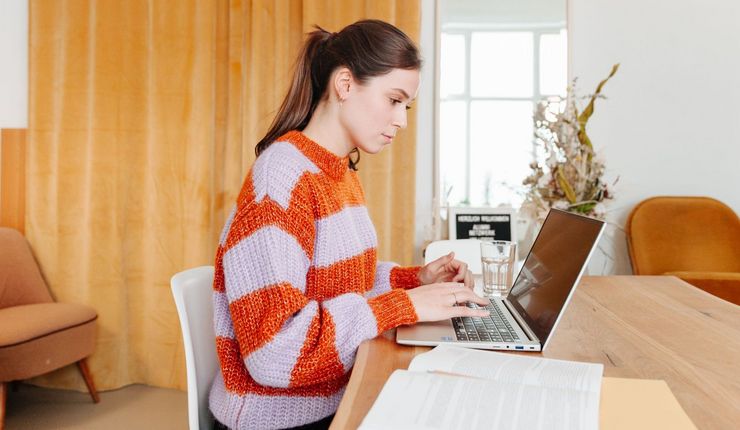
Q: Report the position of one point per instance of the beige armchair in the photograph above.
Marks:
(37, 335)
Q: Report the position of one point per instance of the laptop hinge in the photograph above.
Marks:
(528, 331)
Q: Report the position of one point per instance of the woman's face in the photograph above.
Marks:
(374, 112)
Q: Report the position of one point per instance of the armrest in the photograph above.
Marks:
(725, 285)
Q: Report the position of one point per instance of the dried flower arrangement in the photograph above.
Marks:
(571, 177)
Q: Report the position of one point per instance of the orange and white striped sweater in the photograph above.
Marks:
(297, 288)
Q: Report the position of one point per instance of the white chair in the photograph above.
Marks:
(466, 250)
(193, 292)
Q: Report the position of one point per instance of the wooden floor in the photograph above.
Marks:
(132, 407)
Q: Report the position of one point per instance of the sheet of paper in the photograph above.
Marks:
(638, 404)
(415, 401)
(517, 369)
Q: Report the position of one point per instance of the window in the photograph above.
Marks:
(490, 80)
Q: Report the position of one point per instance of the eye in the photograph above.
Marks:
(408, 107)
(395, 101)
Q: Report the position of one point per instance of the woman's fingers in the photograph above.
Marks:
(461, 269)
(435, 302)
(462, 293)
(467, 295)
(469, 280)
(462, 311)
(441, 262)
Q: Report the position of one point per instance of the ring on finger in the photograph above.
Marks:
(455, 296)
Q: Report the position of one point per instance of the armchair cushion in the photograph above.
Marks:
(31, 346)
(22, 323)
(725, 285)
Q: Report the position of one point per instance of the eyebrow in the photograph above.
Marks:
(405, 94)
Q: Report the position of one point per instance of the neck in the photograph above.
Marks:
(324, 128)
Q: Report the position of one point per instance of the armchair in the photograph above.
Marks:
(37, 335)
(694, 238)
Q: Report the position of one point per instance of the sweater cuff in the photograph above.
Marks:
(393, 309)
(405, 277)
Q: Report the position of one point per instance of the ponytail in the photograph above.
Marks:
(367, 48)
(302, 99)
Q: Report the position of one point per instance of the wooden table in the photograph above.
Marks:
(647, 327)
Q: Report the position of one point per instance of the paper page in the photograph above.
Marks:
(415, 401)
(638, 404)
(517, 369)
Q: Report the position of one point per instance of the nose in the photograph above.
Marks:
(400, 120)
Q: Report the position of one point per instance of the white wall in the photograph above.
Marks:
(671, 123)
(530, 12)
(13, 63)
(425, 132)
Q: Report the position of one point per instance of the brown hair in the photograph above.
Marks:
(367, 48)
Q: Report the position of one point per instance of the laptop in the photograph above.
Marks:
(527, 318)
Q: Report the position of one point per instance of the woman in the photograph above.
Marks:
(297, 283)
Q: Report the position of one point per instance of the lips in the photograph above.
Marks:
(389, 138)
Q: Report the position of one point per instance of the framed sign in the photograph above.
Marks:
(482, 223)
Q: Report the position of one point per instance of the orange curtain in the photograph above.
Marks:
(143, 119)
(13, 178)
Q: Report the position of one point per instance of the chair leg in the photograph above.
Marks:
(3, 396)
(82, 365)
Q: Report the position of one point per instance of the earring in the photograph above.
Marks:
(340, 102)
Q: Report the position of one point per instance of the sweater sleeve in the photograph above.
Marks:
(390, 276)
(285, 339)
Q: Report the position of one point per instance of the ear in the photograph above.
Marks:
(343, 82)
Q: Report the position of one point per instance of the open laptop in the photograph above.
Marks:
(527, 318)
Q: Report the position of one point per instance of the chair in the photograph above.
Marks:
(694, 238)
(466, 250)
(37, 335)
(193, 292)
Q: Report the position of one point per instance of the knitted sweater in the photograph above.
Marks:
(297, 288)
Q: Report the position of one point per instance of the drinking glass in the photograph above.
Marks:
(497, 261)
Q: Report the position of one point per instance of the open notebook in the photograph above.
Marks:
(458, 388)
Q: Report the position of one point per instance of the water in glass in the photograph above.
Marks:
(497, 260)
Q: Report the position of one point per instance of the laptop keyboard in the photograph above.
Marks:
(493, 328)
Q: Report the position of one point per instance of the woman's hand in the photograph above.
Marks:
(446, 269)
(436, 302)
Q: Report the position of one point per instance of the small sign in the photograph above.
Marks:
(482, 223)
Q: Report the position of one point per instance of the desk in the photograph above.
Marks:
(647, 327)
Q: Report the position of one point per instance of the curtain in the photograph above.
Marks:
(143, 118)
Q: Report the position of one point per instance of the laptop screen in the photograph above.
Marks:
(552, 269)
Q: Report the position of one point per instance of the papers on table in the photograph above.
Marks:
(484, 390)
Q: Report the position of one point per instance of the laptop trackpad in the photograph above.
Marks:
(438, 331)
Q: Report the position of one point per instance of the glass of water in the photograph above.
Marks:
(497, 260)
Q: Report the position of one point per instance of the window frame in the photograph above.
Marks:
(467, 30)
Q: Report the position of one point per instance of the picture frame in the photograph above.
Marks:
(484, 223)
